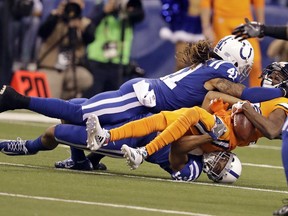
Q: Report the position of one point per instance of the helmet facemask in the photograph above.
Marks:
(219, 167)
(275, 75)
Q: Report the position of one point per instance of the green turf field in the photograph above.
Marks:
(29, 185)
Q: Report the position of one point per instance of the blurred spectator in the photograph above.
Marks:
(26, 29)
(226, 16)
(278, 50)
(10, 10)
(183, 19)
(65, 34)
(109, 54)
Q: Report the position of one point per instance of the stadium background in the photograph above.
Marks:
(156, 56)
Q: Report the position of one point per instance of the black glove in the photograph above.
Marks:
(249, 30)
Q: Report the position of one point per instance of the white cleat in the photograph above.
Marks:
(133, 156)
(96, 135)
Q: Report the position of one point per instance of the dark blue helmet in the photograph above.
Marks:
(282, 78)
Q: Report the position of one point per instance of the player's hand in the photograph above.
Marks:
(217, 105)
(249, 30)
(218, 129)
(238, 107)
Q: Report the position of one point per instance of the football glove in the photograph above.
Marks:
(249, 30)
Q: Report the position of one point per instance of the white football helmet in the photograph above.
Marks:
(239, 53)
(222, 167)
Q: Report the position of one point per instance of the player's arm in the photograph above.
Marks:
(256, 29)
(178, 154)
(253, 94)
(190, 142)
(270, 127)
(211, 95)
(205, 15)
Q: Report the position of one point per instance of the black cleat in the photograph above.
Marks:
(70, 164)
(283, 211)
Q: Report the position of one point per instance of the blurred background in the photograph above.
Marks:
(153, 54)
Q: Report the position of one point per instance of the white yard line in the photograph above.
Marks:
(151, 178)
(139, 208)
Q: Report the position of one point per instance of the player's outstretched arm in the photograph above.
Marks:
(252, 29)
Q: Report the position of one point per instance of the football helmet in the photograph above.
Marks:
(222, 167)
(271, 78)
(239, 53)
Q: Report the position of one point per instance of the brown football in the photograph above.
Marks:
(243, 128)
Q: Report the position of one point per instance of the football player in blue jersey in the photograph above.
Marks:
(210, 69)
(75, 135)
(230, 60)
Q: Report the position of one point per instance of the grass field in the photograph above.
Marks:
(29, 185)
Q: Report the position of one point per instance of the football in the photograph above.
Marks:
(243, 128)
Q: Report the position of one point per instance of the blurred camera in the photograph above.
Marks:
(72, 10)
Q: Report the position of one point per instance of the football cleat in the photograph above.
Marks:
(8, 98)
(96, 135)
(134, 157)
(14, 147)
(78, 165)
(283, 211)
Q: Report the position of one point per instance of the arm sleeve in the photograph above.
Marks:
(88, 35)
(279, 32)
(258, 94)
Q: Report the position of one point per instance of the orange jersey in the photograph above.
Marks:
(173, 124)
(191, 121)
(265, 108)
(227, 14)
(232, 8)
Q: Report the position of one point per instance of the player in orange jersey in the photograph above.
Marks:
(173, 125)
(226, 16)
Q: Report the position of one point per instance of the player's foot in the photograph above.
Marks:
(283, 211)
(14, 147)
(78, 165)
(8, 98)
(99, 166)
(134, 157)
(96, 135)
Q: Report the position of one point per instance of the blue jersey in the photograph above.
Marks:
(184, 88)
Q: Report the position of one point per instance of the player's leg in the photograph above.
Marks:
(284, 209)
(115, 107)
(111, 107)
(51, 107)
(17, 147)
